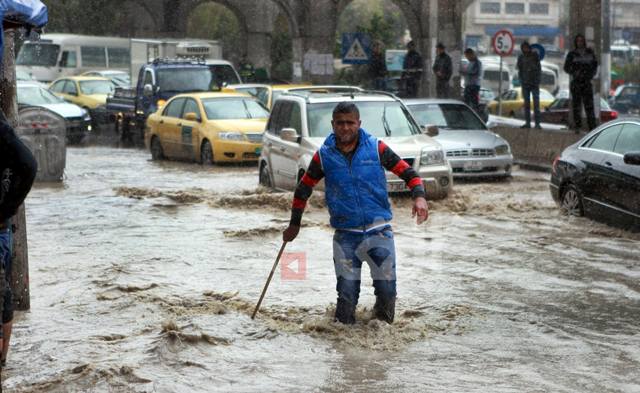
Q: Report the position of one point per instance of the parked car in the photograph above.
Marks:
(261, 92)
(486, 96)
(78, 120)
(208, 128)
(558, 112)
(513, 103)
(88, 92)
(471, 149)
(599, 176)
(119, 78)
(299, 124)
(626, 99)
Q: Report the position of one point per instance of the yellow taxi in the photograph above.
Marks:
(208, 128)
(86, 91)
(262, 92)
(513, 102)
(267, 94)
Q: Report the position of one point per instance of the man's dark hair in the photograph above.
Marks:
(575, 40)
(440, 46)
(346, 107)
(525, 43)
(469, 51)
(411, 45)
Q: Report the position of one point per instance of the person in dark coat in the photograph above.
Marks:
(472, 74)
(530, 72)
(412, 73)
(582, 65)
(378, 67)
(443, 69)
(17, 173)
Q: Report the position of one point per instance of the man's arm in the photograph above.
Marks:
(303, 192)
(568, 63)
(16, 179)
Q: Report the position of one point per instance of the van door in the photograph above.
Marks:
(190, 134)
(68, 64)
(170, 128)
(143, 102)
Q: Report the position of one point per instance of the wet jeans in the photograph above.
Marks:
(6, 306)
(529, 91)
(472, 97)
(350, 250)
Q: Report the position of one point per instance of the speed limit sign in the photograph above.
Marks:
(503, 43)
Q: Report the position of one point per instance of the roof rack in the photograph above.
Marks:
(180, 60)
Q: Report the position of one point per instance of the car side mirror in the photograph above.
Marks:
(430, 130)
(632, 158)
(147, 90)
(289, 135)
(491, 124)
(191, 116)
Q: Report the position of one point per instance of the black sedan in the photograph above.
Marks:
(599, 176)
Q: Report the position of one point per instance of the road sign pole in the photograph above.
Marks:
(500, 89)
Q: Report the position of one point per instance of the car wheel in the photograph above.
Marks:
(264, 178)
(571, 201)
(206, 154)
(156, 149)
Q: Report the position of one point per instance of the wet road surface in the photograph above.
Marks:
(144, 276)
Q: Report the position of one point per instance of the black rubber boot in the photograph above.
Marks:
(385, 309)
(345, 312)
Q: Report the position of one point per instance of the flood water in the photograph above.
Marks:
(144, 276)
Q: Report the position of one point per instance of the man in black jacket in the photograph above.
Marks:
(378, 67)
(442, 68)
(412, 67)
(582, 65)
(530, 72)
(17, 173)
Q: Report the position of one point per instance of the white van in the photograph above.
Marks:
(491, 76)
(56, 55)
(549, 80)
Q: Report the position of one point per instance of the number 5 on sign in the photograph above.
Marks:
(503, 43)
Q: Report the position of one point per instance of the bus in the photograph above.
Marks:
(56, 55)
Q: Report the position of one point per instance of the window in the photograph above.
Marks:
(515, 8)
(148, 78)
(58, 86)
(97, 87)
(93, 56)
(68, 59)
(38, 54)
(489, 7)
(447, 116)
(256, 110)
(629, 139)
(275, 112)
(184, 79)
(539, 9)
(174, 109)
(284, 116)
(119, 57)
(191, 106)
(70, 88)
(226, 108)
(295, 118)
(606, 139)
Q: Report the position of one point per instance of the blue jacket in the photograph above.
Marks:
(356, 191)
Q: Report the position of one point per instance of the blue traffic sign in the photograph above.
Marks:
(356, 48)
(540, 50)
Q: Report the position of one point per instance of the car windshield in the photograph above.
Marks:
(223, 74)
(447, 116)
(96, 87)
(120, 80)
(34, 95)
(233, 109)
(22, 75)
(38, 54)
(183, 80)
(379, 118)
(260, 93)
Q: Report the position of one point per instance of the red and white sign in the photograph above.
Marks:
(503, 43)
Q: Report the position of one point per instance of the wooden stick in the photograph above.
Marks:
(266, 285)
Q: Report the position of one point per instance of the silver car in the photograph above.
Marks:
(300, 122)
(471, 149)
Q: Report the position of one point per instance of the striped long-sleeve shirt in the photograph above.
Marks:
(389, 160)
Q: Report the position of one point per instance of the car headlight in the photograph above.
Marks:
(232, 136)
(431, 156)
(502, 150)
(85, 115)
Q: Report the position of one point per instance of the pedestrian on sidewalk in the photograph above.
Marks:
(378, 67)
(582, 65)
(472, 74)
(352, 163)
(17, 173)
(412, 70)
(443, 69)
(529, 73)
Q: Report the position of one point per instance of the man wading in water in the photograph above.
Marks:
(352, 163)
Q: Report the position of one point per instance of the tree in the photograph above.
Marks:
(216, 22)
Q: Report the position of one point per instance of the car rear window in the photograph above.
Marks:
(629, 139)
(606, 139)
(447, 116)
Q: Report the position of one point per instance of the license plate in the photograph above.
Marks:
(473, 166)
(396, 187)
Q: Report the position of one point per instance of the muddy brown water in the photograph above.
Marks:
(144, 276)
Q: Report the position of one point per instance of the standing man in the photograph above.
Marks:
(378, 67)
(472, 74)
(17, 173)
(247, 71)
(582, 65)
(412, 70)
(530, 72)
(442, 68)
(353, 163)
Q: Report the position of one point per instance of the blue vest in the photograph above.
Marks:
(356, 191)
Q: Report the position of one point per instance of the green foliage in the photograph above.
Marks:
(216, 22)
(93, 17)
(281, 50)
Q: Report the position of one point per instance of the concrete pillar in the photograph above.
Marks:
(585, 17)
(19, 279)
(450, 22)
